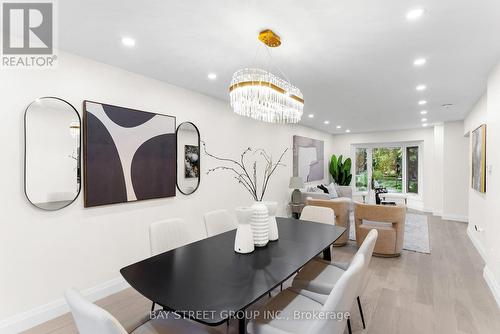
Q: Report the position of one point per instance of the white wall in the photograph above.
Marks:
(444, 173)
(437, 171)
(484, 209)
(343, 145)
(477, 200)
(455, 172)
(492, 230)
(44, 253)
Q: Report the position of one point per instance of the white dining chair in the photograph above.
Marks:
(321, 276)
(218, 221)
(168, 234)
(291, 302)
(91, 319)
(318, 214)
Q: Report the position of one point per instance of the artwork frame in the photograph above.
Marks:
(191, 166)
(478, 159)
(308, 158)
(128, 154)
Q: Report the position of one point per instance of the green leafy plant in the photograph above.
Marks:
(341, 170)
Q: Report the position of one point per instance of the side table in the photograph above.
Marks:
(296, 209)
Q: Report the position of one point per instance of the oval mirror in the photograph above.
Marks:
(52, 153)
(188, 158)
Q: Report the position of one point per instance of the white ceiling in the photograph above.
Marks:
(352, 59)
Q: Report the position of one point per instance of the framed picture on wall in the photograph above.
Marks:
(129, 155)
(308, 158)
(478, 170)
(191, 161)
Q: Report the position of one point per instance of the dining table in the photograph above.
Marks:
(208, 282)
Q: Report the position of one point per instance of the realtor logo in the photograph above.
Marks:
(28, 34)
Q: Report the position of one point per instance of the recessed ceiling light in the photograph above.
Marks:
(419, 62)
(310, 115)
(212, 76)
(421, 87)
(425, 125)
(415, 14)
(423, 112)
(339, 127)
(424, 120)
(347, 130)
(422, 102)
(326, 122)
(128, 41)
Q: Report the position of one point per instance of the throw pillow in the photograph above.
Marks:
(332, 190)
(339, 192)
(322, 187)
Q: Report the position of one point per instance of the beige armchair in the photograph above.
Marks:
(341, 209)
(388, 220)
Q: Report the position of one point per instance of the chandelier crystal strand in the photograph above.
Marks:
(263, 96)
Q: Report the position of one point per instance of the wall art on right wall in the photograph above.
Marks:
(478, 169)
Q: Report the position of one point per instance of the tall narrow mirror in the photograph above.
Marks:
(188, 158)
(52, 153)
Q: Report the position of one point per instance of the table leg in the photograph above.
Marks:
(327, 254)
(242, 325)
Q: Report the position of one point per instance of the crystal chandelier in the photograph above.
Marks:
(261, 95)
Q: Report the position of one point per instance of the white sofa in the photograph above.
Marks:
(343, 192)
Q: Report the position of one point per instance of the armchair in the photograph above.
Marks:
(389, 221)
(341, 208)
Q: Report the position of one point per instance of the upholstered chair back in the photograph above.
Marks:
(318, 214)
(341, 299)
(168, 234)
(90, 318)
(218, 221)
(341, 208)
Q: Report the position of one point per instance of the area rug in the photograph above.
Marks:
(416, 233)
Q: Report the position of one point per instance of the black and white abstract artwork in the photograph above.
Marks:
(191, 161)
(129, 155)
(308, 158)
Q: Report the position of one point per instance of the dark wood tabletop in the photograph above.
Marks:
(208, 275)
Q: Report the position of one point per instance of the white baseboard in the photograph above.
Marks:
(492, 284)
(487, 274)
(428, 210)
(476, 243)
(437, 213)
(457, 218)
(26, 320)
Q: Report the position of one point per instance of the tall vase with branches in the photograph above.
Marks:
(255, 181)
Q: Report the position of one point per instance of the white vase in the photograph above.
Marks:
(260, 224)
(272, 207)
(243, 242)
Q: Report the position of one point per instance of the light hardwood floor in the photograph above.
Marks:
(442, 292)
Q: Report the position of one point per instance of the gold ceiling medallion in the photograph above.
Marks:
(269, 38)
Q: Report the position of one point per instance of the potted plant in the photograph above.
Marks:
(341, 170)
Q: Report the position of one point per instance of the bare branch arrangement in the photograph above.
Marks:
(249, 179)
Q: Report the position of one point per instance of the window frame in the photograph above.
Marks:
(369, 164)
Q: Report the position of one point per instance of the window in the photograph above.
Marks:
(388, 169)
(412, 169)
(391, 166)
(361, 169)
